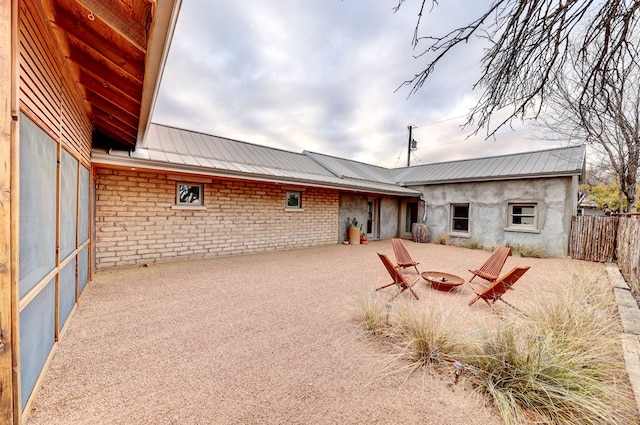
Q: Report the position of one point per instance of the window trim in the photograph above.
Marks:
(297, 207)
(197, 205)
(454, 231)
(523, 227)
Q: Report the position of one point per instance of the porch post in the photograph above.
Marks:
(8, 125)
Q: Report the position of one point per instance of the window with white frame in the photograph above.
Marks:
(294, 200)
(460, 218)
(189, 194)
(523, 216)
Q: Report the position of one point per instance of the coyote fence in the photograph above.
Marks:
(593, 238)
(628, 250)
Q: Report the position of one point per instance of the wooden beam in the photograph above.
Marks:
(112, 121)
(130, 69)
(115, 134)
(80, 29)
(118, 27)
(130, 87)
(102, 105)
(8, 29)
(112, 94)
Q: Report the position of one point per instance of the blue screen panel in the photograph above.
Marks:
(37, 336)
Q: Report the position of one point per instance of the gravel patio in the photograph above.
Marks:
(255, 339)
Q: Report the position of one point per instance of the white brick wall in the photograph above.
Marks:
(135, 223)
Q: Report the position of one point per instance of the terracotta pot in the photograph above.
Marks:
(354, 235)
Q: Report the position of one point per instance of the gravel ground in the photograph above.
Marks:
(271, 338)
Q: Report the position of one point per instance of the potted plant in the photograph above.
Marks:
(363, 237)
(354, 231)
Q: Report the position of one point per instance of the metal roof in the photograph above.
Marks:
(178, 150)
(544, 163)
(352, 169)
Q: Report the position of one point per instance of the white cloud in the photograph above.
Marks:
(322, 76)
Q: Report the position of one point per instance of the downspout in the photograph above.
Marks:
(424, 215)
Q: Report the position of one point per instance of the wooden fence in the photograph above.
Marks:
(608, 239)
(593, 238)
(628, 251)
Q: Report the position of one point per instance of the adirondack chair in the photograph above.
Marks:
(494, 292)
(403, 259)
(403, 282)
(490, 270)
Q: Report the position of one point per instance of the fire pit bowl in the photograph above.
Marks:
(442, 281)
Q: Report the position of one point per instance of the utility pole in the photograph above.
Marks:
(412, 146)
(409, 148)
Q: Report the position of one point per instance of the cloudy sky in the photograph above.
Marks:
(326, 76)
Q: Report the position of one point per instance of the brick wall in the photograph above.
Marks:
(137, 222)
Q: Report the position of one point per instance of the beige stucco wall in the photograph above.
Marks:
(136, 221)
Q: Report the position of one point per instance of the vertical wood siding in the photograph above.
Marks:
(47, 94)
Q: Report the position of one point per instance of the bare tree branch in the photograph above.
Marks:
(529, 44)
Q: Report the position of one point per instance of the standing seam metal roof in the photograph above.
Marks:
(550, 162)
(183, 147)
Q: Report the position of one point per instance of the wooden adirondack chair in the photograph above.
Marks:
(403, 259)
(403, 282)
(494, 292)
(490, 270)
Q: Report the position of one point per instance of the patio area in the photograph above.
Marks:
(264, 338)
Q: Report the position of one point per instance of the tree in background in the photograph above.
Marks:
(537, 47)
(610, 124)
(529, 43)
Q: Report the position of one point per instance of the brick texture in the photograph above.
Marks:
(136, 224)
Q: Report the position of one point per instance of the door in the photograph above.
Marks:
(373, 216)
(408, 216)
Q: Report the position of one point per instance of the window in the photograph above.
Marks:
(294, 200)
(189, 194)
(523, 216)
(460, 218)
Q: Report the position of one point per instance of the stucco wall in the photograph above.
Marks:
(355, 205)
(488, 210)
(137, 222)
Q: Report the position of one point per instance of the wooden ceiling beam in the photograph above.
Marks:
(115, 134)
(119, 29)
(112, 109)
(110, 93)
(112, 121)
(130, 87)
(79, 33)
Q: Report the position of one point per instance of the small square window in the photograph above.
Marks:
(189, 194)
(523, 216)
(294, 200)
(460, 218)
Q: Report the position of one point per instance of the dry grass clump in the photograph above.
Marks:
(556, 362)
(442, 238)
(531, 251)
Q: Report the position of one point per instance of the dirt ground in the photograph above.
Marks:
(271, 338)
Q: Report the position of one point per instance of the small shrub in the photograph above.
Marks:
(442, 238)
(531, 251)
(426, 335)
(373, 312)
(474, 243)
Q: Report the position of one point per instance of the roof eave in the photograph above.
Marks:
(160, 38)
(493, 178)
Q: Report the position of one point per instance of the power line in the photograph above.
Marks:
(438, 122)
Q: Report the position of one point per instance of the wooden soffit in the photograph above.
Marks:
(107, 46)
